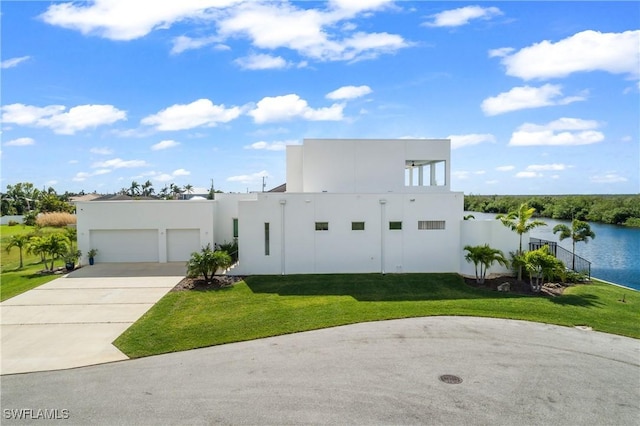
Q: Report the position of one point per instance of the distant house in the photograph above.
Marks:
(349, 205)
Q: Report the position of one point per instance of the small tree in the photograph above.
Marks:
(20, 241)
(540, 264)
(579, 231)
(206, 263)
(483, 257)
(519, 222)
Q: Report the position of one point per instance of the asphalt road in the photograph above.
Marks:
(513, 372)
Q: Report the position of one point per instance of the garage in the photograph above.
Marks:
(127, 245)
(181, 243)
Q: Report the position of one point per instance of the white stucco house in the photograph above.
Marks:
(350, 206)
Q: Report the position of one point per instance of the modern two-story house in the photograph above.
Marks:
(350, 206)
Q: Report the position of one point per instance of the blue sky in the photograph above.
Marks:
(537, 97)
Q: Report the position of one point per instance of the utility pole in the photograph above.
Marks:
(264, 183)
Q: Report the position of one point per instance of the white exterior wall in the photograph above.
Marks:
(296, 247)
(492, 232)
(361, 165)
(225, 210)
(158, 216)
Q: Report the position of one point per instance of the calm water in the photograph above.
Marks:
(614, 253)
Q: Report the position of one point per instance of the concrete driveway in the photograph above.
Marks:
(72, 321)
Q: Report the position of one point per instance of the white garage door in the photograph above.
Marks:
(181, 243)
(131, 245)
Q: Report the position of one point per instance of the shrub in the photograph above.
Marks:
(231, 248)
(56, 219)
(12, 223)
(29, 218)
(206, 262)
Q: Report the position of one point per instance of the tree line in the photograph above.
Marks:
(610, 209)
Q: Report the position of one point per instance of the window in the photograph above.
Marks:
(322, 226)
(235, 227)
(395, 225)
(357, 226)
(430, 224)
(266, 239)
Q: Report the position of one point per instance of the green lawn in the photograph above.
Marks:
(265, 306)
(14, 280)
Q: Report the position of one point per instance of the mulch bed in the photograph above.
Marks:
(517, 287)
(198, 284)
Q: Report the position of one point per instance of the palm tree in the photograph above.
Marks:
(579, 231)
(188, 188)
(175, 191)
(134, 189)
(484, 256)
(540, 263)
(19, 241)
(147, 189)
(519, 221)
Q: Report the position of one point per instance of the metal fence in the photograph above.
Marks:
(571, 261)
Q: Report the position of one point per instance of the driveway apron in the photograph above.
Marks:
(73, 320)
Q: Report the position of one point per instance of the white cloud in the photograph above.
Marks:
(254, 177)
(564, 131)
(78, 118)
(527, 97)
(187, 116)
(310, 32)
(458, 141)
(13, 62)
(181, 172)
(166, 144)
(610, 177)
(273, 146)
(500, 52)
(126, 19)
(20, 142)
(616, 53)
(101, 172)
(101, 151)
(349, 92)
(183, 43)
(261, 61)
(505, 168)
(546, 167)
(118, 163)
(462, 16)
(81, 176)
(528, 175)
(287, 107)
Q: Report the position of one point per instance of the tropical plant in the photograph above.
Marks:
(49, 247)
(579, 231)
(188, 188)
(519, 222)
(206, 263)
(539, 264)
(19, 241)
(134, 188)
(147, 189)
(231, 248)
(483, 257)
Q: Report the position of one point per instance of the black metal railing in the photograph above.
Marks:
(571, 261)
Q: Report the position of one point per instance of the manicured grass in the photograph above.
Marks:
(14, 280)
(265, 306)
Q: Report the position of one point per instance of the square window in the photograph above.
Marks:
(322, 226)
(357, 226)
(395, 225)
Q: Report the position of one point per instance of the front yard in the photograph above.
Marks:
(263, 306)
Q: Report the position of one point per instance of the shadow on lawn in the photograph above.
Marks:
(373, 287)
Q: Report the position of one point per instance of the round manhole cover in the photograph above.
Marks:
(450, 379)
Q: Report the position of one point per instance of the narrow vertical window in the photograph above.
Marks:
(266, 239)
(235, 227)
